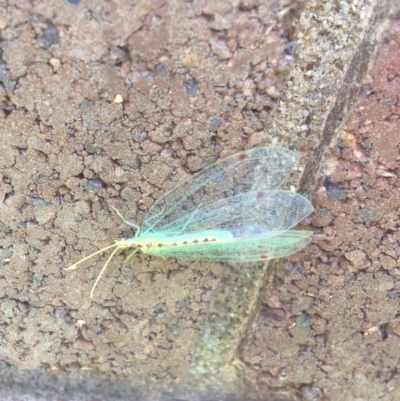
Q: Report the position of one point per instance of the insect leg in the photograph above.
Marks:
(131, 254)
(129, 223)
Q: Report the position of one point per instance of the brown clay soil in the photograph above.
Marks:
(106, 104)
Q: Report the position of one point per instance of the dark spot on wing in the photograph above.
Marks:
(260, 195)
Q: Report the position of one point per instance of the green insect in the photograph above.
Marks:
(232, 211)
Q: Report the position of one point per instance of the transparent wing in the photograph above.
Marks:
(267, 212)
(263, 169)
(239, 250)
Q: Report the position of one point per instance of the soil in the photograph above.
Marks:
(106, 105)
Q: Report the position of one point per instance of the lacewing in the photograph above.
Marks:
(232, 211)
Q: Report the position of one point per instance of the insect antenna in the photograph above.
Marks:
(104, 268)
(73, 267)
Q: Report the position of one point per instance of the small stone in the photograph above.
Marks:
(322, 218)
(335, 192)
(192, 87)
(183, 304)
(346, 171)
(219, 23)
(368, 216)
(118, 99)
(55, 63)
(63, 190)
(194, 163)
(130, 195)
(213, 123)
(301, 304)
(273, 302)
(220, 49)
(355, 257)
(273, 93)
(91, 185)
(303, 321)
(388, 263)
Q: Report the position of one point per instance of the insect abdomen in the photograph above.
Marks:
(158, 245)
